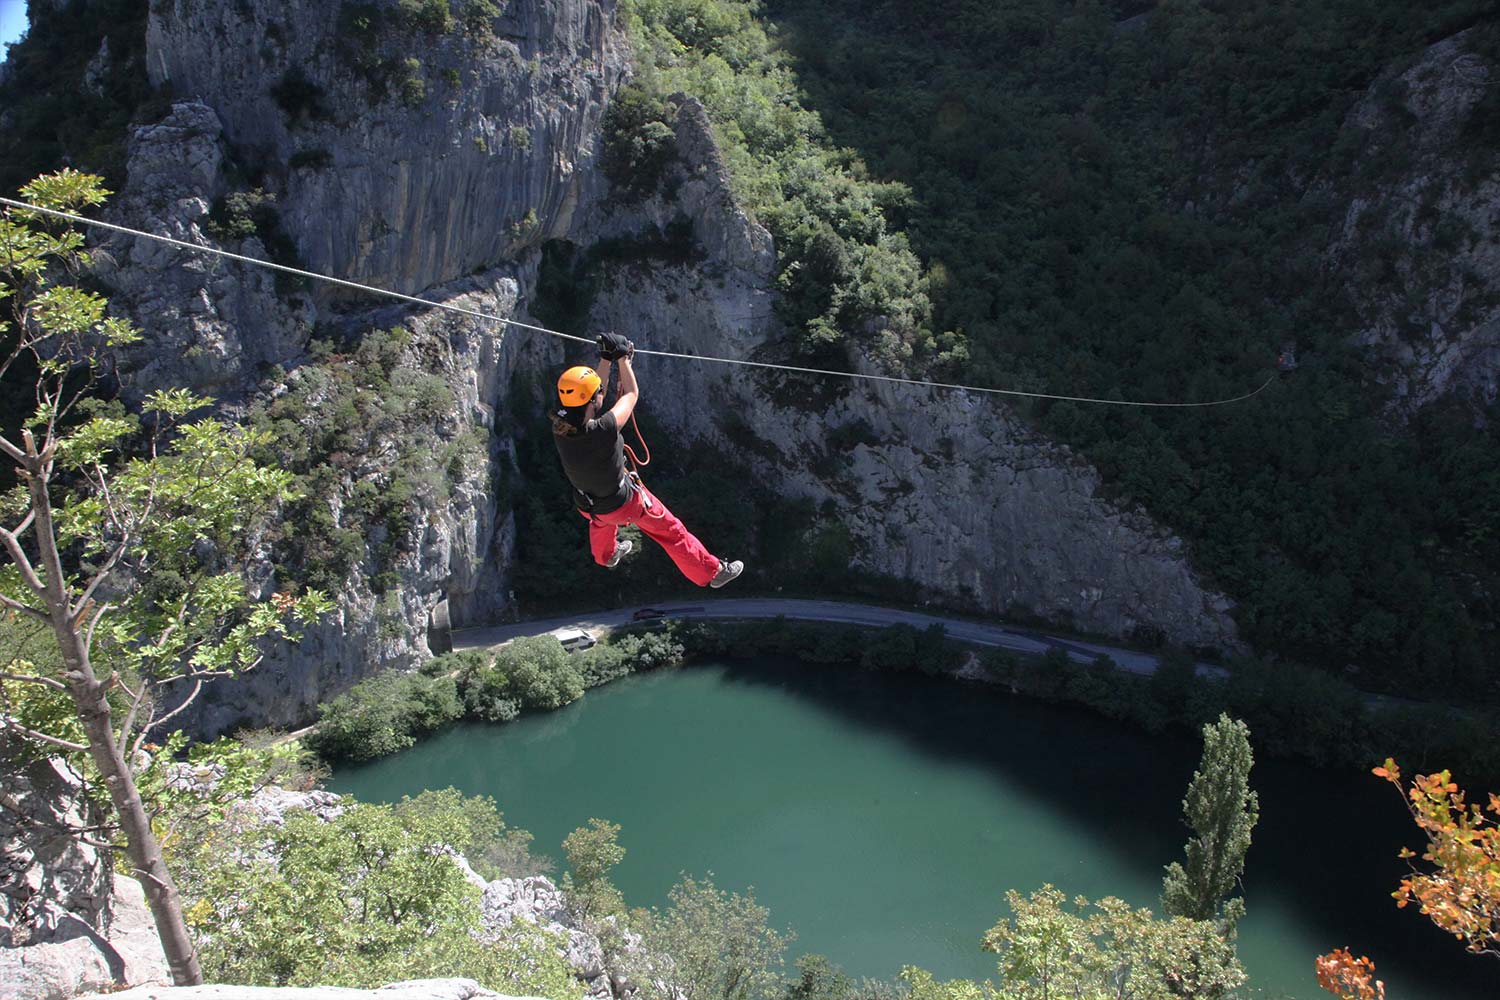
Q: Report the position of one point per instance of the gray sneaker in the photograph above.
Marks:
(727, 571)
(622, 549)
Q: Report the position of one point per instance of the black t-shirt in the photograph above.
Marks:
(593, 456)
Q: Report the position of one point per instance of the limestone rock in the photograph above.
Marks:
(68, 924)
(536, 900)
(1419, 251)
(953, 492)
(417, 989)
(475, 153)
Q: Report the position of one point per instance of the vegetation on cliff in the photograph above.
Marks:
(1134, 207)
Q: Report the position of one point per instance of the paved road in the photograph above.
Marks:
(1018, 640)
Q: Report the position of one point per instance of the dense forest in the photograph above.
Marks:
(1127, 200)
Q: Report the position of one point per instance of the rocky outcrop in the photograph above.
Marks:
(950, 492)
(407, 153)
(417, 989)
(68, 923)
(1418, 247)
(436, 174)
(535, 900)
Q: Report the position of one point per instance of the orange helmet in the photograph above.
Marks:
(578, 385)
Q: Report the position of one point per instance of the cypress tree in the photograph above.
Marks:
(1221, 810)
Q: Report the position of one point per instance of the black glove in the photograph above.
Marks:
(613, 347)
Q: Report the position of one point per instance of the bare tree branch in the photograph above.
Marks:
(55, 685)
(11, 451)
(100, 575)
(136, 699)
(18, 556)
(88, 638)
(197, 686)
(26, 523)
(237, 671)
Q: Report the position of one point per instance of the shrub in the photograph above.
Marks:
(478, 15)
(431, 16)
(384, 714)
(531, 672)
(639, 142)
(369, 897)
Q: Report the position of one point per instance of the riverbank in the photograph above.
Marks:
(882, 816)
(1292, 711)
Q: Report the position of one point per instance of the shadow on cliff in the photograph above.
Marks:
(1322, 835)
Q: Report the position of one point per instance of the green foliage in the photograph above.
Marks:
(1101, 950)
(52, 117)
(370, 897)
(479, 15)
(383, 714)
(710, 945)
(189, 785)
(819, 979)
(841, 272)
(477, 830)
(638, 142)
(532, 672)
(431, 16)
(244, 214)
(412, 85)
(593, 851)
(1222, 811)
(1142, 214)
(335, 427)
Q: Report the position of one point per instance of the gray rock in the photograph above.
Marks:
(68, 924)
(417, 989)
(952, 492)
(418, 191)
(536, 900)
(1419, 254)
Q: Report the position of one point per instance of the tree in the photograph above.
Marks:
(1048, 950)
(370, 896)
(592, 853)
(710, 945)
(1461, 894)
(129, 562)
(1222, 810)
(1347, 977)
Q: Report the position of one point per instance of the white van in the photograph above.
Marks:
(574, 638)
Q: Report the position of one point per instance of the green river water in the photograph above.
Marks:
(882, 817)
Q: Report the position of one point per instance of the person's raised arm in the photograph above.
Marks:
(629, 392)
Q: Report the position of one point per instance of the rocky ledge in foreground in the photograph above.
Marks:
(417, 989)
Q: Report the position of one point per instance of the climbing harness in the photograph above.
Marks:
(475, 314)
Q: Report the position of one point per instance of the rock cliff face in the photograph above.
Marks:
(68, 923)
(1419, 249)
(437, 160)
(409, 152)
(947, 490)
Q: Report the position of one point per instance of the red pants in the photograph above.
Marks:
(661, 526)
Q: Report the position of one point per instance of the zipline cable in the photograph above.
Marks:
(475, 314)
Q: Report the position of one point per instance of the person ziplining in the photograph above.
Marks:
(591, 444)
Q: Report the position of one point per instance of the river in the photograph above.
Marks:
(882, 817)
